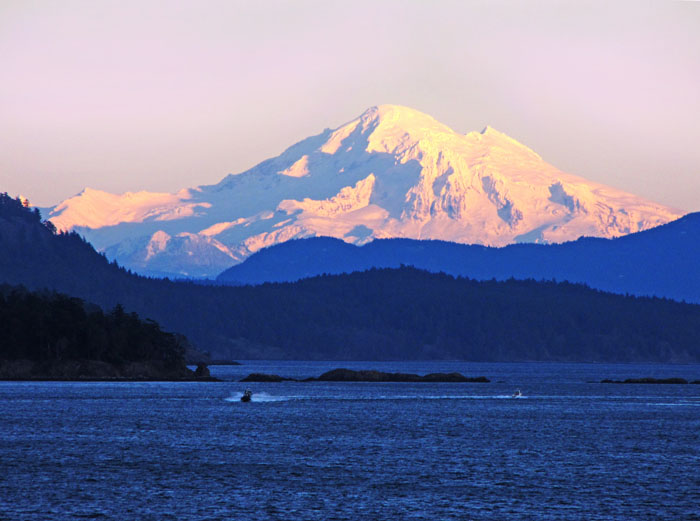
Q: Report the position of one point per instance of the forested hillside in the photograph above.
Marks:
(407, 313)
(399, 313)
(660, 262)
(56, 336)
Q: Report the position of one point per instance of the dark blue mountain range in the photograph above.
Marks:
(663, 261)
(378, 314)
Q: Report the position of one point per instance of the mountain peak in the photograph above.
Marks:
(403, 117)
(489, 132)
(393, 111)
(393, 171)
(386, 128)
(392, 129)
(491, 137)
(395, 127)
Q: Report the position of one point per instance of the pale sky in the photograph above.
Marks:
(162, 95)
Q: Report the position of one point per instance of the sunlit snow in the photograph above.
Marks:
(392, 172)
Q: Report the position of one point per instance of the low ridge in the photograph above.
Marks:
(387, 314)
(658, 262)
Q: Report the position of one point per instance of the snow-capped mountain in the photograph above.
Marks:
(392, 172)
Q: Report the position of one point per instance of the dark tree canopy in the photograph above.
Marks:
(55, 327)
(401, 313)
(61, 336)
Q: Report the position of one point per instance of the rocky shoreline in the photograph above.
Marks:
(649, 380)
(348, 375)
(99, 371)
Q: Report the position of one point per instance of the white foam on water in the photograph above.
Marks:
(260, 397)
(443, 397)
(266, 397)
(680, 404)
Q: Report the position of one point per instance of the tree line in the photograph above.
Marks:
(401, 313)
(51, 327)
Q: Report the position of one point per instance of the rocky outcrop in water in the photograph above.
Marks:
(202, 371)
(348, 375)
(97, 370)
(648, 381)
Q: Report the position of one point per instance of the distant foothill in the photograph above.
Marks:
(398, 313)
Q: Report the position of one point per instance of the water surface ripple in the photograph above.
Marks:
(569, 449)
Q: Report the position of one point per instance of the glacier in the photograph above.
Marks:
(391, 172)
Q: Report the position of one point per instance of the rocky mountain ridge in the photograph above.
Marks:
(392, 172)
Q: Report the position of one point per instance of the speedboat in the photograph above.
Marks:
(517, 394)
(247, 395)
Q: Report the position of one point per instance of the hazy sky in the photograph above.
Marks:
(124, 96)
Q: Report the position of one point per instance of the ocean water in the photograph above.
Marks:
(569, 449)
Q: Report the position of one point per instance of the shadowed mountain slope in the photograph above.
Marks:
(403, 314)
(663, 261)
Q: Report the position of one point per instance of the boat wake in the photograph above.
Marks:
(446, 397)
(682, 403)
(265, 397)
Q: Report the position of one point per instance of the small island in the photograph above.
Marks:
(649, 381)
(348, 375)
